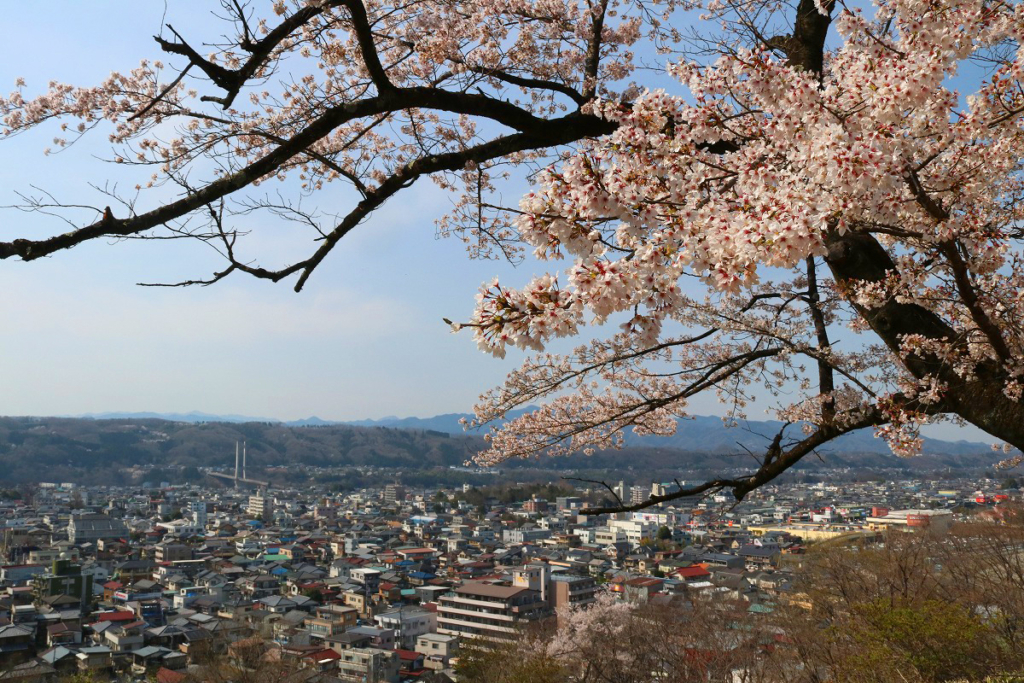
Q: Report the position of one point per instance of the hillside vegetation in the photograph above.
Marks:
(105, 451)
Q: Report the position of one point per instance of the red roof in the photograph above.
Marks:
(691, 572)
(321, 655)
(113, 585)
(165, 675)
(119, 615)
(408, 655)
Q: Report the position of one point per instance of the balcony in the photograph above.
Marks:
(474, 626)
(446, 609)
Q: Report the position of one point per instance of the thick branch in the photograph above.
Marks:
(559, 132)
(972, 301)
(775, 463)
(542, 133)
(826, 376)
(592, 61)
(979, 399)
(961, 272)
(232, 81)
(533, 83)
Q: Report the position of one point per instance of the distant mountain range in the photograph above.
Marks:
(702, 434)
(193, 417)
(118, 448)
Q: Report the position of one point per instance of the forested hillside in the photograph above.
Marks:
(68, 449)
(102, 451)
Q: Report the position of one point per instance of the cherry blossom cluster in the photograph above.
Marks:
(752, 169)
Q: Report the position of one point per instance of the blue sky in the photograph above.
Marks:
(364, 339)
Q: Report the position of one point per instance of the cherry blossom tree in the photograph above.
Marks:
(810, 208)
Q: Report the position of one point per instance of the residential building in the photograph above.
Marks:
(363, 665)
(568, 589)
(488, 611)
(65, 578)
(409, 623)
(260, 506)
(197, 510)
(524, 535)
(437, 649)
(394, 493)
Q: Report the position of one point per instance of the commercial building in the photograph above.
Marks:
(94, 527)
(935, 520)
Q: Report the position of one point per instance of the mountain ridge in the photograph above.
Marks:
(121, 450)
(701, 433)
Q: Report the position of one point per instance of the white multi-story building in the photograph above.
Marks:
(408, 623)
(197, 510)
(260, 506)
(520, 536)
(634, 530)
(367, 577)
(637, 495)
(604, 535)
(585, 534)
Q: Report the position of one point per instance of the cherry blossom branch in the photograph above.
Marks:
(232, 81)
(159, 98)
(826, 376)
(543, 134)
(777, 460)
(521, 439)
(531, 83)
(972, 301)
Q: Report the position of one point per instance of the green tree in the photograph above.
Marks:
(928, 641)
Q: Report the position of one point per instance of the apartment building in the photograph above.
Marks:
(368, 664)
(408, 624)
(635, 530)
(394, 494)
(260, 506)
(566, 589)
(488, 611)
